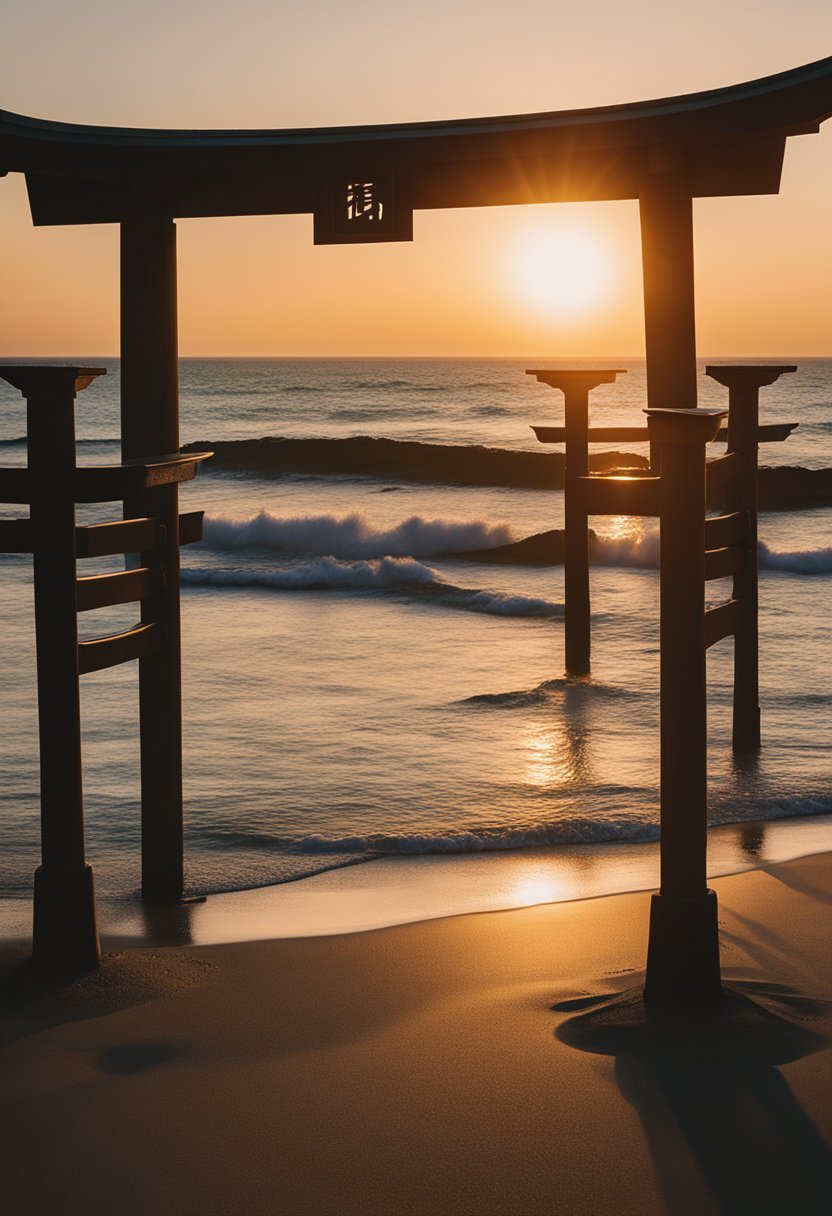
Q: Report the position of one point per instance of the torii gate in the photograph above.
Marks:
(363, 184)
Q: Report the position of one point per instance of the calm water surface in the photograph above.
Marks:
(352, 692)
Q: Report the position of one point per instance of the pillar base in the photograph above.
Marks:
(746, 735)
(162, 884)
(683, 953)
(65, 932)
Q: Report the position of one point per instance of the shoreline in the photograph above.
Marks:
(459, 1067)
(383, 892)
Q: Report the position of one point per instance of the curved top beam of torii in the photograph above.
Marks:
(721, 142)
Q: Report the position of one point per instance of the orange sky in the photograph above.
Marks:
(258, 286)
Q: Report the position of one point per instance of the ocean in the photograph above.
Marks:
(355, 688)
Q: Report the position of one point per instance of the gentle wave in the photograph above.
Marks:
(352, 536)
(20, 441)
(543, 693)
(385, 574)
(607, 829)
(575, 830)
(730, 809)
(604, 829)
(321, 575)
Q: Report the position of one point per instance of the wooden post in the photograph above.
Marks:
(576, 387)
(683, 951)
(577, 609)
(65, 936)
(666, 210)
(744, 382)
(150, 427)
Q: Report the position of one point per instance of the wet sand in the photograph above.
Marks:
(461, 1065)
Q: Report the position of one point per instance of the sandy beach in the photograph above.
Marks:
(461, 1065)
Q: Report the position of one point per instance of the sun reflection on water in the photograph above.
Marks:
(624, 527)
(557, 751)
(538, 886)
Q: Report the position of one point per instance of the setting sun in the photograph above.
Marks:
(564, 271)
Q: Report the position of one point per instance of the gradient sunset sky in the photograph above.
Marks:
(470, 283)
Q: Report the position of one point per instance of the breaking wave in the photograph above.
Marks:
(395, 574)
(643, 552)
(352, 536)
(639, 551)
(800, 561)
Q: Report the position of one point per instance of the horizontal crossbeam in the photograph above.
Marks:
(122, 536)
(774, 432)
(137, 643)
(723, 563)
(724, 530)
(132, 535)
(720, 470)
(122, 587)
(15, 486)
(110, 483)
(16, 536)
(721, 622)
(615, 495)
(595, 434)
(190, 527)
(168, 470)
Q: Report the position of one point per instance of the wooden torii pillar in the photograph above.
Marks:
(666, 212)
(150, 425)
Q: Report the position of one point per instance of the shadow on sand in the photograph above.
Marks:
(713, 1104)
(32, 998)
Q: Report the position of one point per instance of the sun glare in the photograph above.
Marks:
(564, 271)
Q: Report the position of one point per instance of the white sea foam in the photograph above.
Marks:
(643, 552)
(398, 574)
(352, 536)
(574, 830)
(640, 551)
(321, 574)
(799, 561)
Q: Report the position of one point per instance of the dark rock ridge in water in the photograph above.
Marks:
(784, 489)
(781, 489)
(402, 460)
(542, 549)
